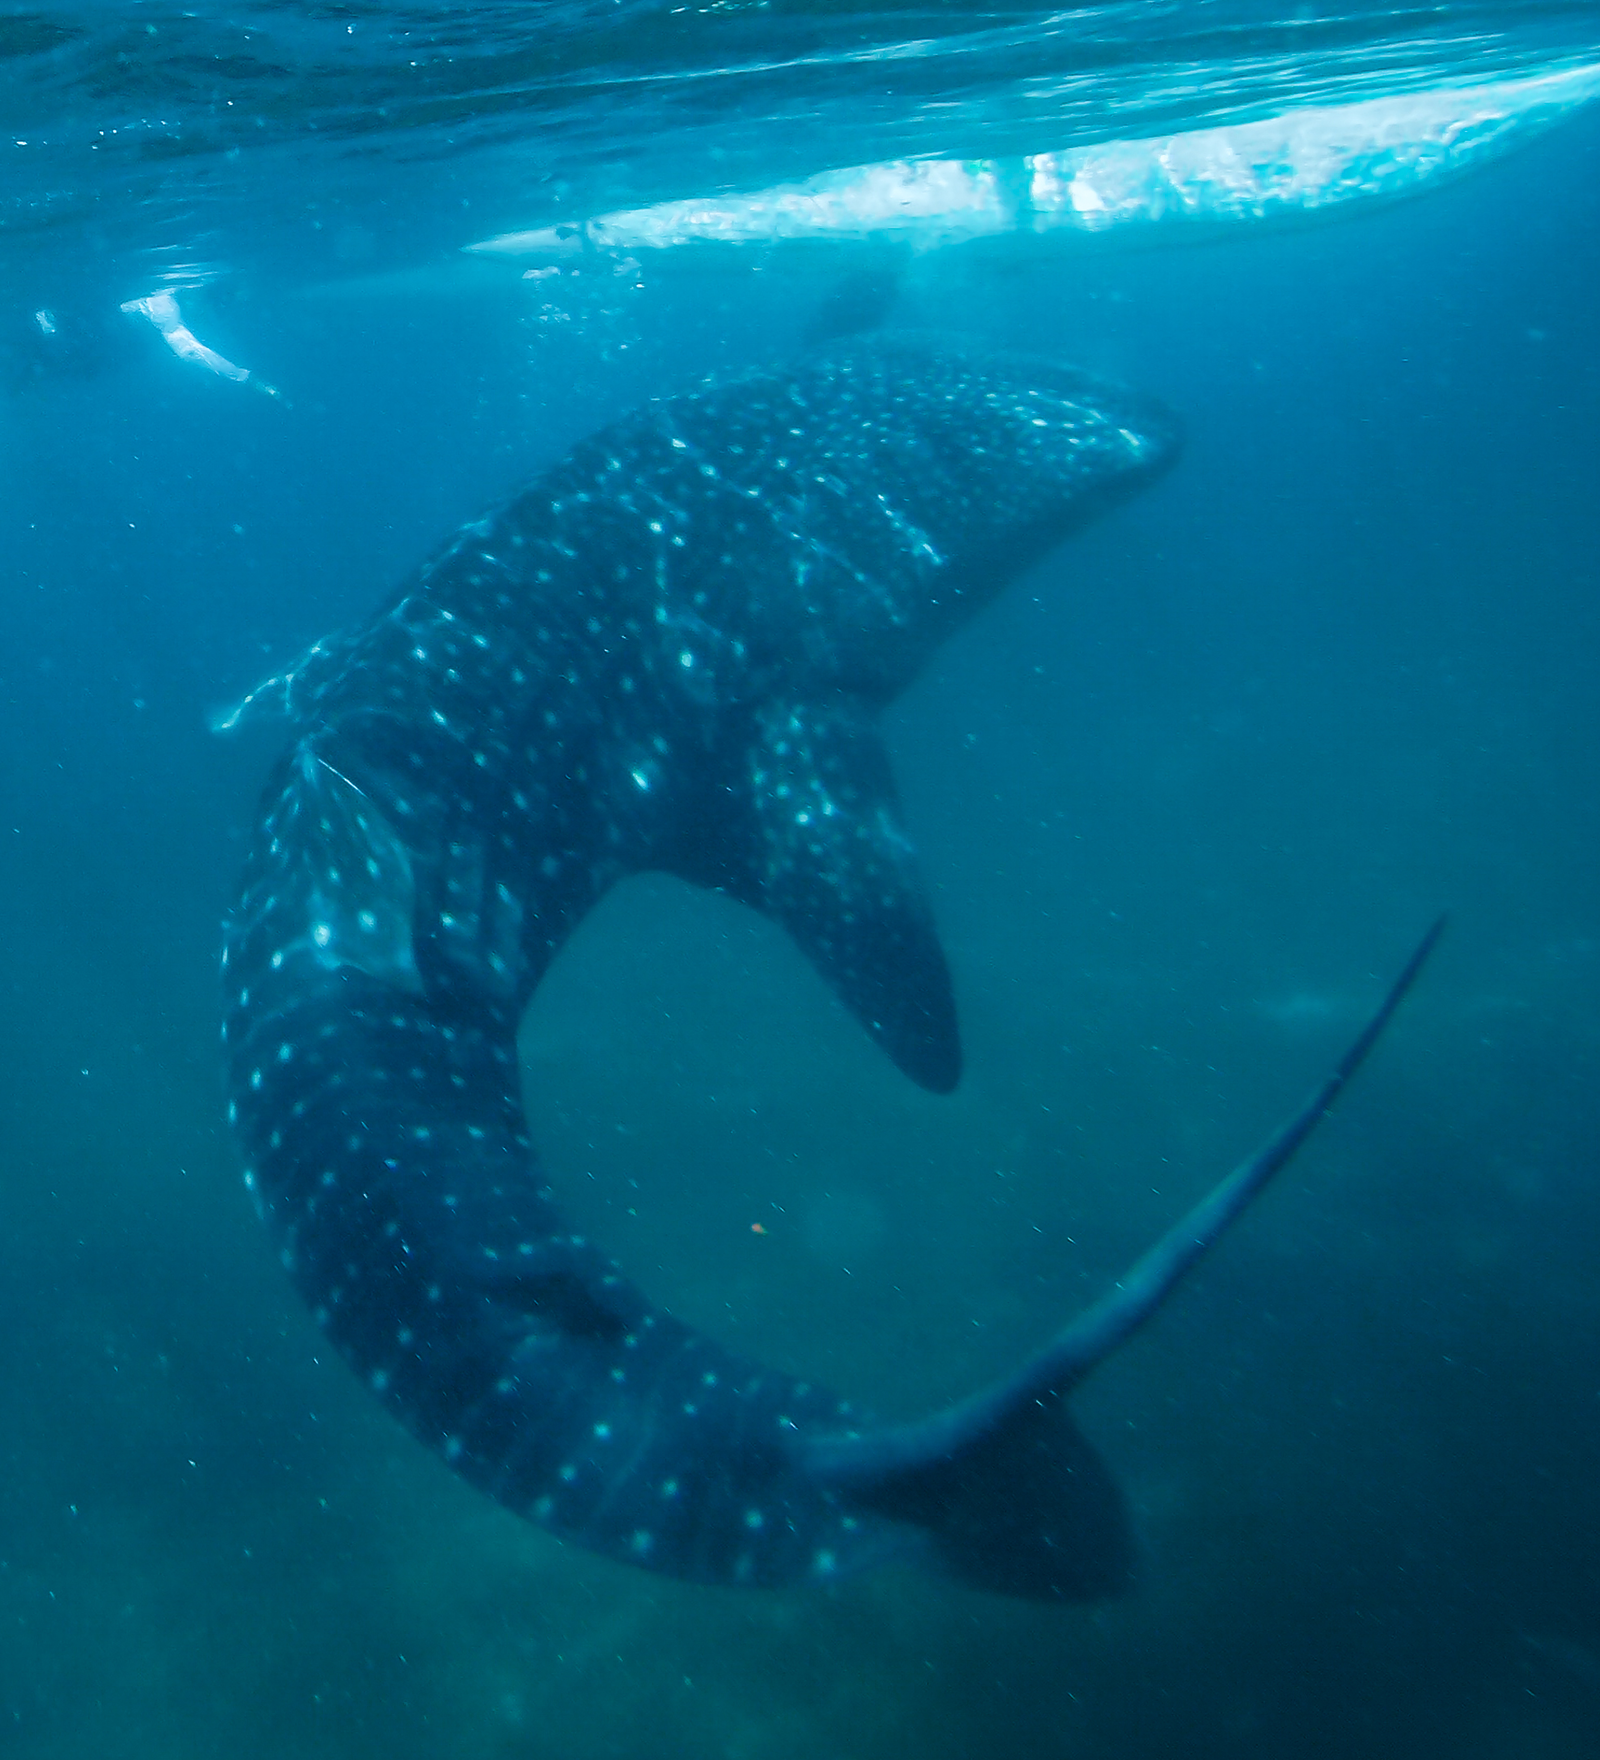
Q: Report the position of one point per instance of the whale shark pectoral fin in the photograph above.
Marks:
(363, 894)
(832, 865)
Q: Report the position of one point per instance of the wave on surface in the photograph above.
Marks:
(1308, 161)
(190, 134)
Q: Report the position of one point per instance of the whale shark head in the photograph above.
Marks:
(903, 485)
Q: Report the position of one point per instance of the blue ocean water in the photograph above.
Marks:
(1184, 796)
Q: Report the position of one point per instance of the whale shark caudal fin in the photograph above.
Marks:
(1014, 1498)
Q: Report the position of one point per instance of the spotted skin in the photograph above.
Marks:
(669, 653)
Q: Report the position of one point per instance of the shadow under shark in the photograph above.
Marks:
(669, 653)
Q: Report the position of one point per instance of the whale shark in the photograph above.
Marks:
(668, 653)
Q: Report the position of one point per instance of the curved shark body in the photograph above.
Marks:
(667, 654)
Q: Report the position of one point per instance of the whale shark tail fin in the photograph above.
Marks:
(1008, 1491)
(1026, 1508)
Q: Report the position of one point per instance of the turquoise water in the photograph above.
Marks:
(1184, 797)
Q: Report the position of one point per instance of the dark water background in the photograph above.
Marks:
(1184, 796)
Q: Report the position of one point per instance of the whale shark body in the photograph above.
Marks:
(668, 653)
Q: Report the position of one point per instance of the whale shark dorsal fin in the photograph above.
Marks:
(826, 858)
